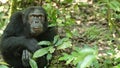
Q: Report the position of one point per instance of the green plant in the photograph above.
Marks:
(92, 33)
(57, 44)
(52, 14)
(3, 66)
(112, 6)
(81, 57)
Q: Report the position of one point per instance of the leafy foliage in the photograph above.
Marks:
(33, 63)
(80, 57)
(60, 44)
(93, 32)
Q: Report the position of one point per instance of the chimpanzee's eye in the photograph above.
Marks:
(40, 16)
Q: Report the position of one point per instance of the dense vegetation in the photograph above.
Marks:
(88, 32)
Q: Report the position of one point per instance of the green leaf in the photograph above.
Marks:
(117, 66)
(4, 63)
(67, 1)
(3, 66)
(64, 57)
(87, 61)
(115, 5)
(69, 34)
(56, 39)
(49, 56)
(64, 45)
(77, 49)
(61, 41)
(69, 60)
(47, 0)
(51, 49)
(33, 64)
(88, 51)
(44, 43)
(40, 52)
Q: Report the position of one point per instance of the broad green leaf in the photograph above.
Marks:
(67, 58)
(70, 60)
(117, 66)
(87, 61)
(77, 49)
(115, 5)
(51, 49)
(55, 39)
(3, 66)
(44, 43)
(88, 51)
(64, 45)
(33, 64)
(4, 63)
(77, 59)
(74, 53)
(61, 41)
(64, 57)
(40, 52)
(69, 34)
(49, 56)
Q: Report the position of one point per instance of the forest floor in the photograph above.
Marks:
(94, 31)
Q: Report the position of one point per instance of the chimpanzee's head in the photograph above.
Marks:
(36, 18)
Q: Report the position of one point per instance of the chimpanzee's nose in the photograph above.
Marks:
(36, 21)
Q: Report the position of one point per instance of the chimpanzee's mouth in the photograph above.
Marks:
(36, 29)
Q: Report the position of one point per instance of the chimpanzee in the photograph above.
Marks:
(25, 29)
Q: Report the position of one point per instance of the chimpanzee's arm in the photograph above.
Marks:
(12, 43)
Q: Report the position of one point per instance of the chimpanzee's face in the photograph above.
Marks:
(36, 20)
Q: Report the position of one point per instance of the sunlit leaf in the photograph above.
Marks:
(55, 39)
(117, 66)
(61, 41)
(3, 63)
(3, 66)
(40, 52)
(44, 43)
(87, 61)
(69, 33)
(33, 64)
(69, 60)
(88, 51)
(65, 45)
(51, 49)
(115, 5)
(64, 57)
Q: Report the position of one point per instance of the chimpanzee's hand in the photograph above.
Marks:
(31, 45)
(26, 55)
